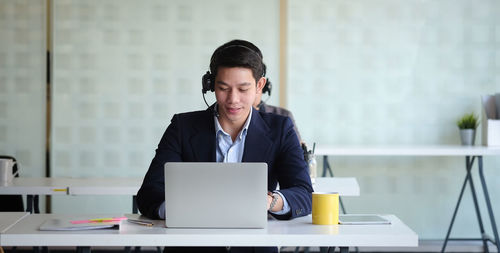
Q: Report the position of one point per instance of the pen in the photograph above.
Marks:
(139, 222)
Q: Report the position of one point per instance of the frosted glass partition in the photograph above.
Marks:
(396, 72)
(123, 68)
(22, 84)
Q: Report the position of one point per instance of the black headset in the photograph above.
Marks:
(208, 79)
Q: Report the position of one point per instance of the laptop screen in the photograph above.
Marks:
(216, 195)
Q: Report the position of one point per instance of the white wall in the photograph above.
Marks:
(123, 68)
(359, 72)
(397, 72)
(22, 84)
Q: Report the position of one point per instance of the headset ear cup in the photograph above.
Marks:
(207, 83)
(267, 87)
(212, 82)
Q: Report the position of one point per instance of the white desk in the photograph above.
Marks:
(104, 186)
(9, 219)
(431, 150)
(345, 186)
(36, 186)
(469, 152)
(72, 186)
(297, 232)
(32, 187)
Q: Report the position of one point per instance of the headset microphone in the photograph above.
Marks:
(206, 84)
(216, 110)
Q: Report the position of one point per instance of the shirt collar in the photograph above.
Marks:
(219, 130)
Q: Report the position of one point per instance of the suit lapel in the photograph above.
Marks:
(257, 143)
(203, 140)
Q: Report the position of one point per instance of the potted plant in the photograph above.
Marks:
(467, 125)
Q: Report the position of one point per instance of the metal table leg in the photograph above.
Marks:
(488, 203)
(83, 249)
(456, 209)
(468, 179)
(476, 206)
(327, 167)
(134, 204)
(29, 203)
(36, 204)
(344, 249)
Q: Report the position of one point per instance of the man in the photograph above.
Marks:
(231, 131)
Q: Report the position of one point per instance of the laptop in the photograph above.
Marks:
(215, 195)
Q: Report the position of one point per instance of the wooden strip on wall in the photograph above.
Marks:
(48, 108)
(283, 53)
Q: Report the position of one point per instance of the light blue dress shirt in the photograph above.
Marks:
(231, 152)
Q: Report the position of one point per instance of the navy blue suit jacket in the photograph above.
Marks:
(190, 137)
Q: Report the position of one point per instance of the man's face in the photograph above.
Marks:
(235, 91)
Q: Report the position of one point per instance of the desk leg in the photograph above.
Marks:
(456, 207)
(134, 204)
(326, 167)
(82, 249)
(29, 203)
(36, 204)
(488, 203)
(468, 178)
(476, 205)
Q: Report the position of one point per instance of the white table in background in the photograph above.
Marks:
(33, 187)
(106, 186)
(469, 152)
(296, 232)
(345, 186)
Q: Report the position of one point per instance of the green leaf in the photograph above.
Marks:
(468, 121)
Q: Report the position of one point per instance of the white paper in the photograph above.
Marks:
(66, 225)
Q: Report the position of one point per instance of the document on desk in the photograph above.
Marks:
(86, 224)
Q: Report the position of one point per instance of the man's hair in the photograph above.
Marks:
(238, 53)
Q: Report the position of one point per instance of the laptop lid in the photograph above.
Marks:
(215, 195)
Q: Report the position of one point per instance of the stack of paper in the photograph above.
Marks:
(94, 223)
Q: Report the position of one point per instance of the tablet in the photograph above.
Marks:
(361, 219)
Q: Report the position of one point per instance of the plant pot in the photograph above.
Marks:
(468, 136)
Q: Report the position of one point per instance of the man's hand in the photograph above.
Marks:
(279, 202)
(269, 199)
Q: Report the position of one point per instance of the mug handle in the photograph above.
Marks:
(14, 165)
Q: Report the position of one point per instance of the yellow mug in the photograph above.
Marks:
(325, 208)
